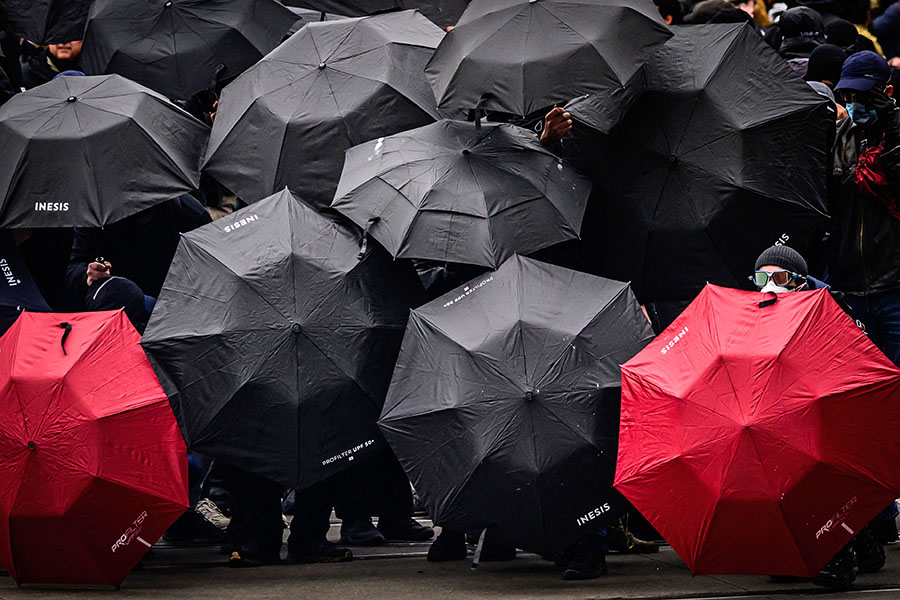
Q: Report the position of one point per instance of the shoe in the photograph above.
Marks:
(562, 560)
(360, 533)
(326, 552)
(404, 530)
(623, 541)
(448, 546)
(193, 528)
(870, 554)
(419, 508)
(840, 572)
(241, 559)
(207, 509)
(494, 552)
(589, 563)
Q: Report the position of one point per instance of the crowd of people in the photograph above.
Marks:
(847, 50)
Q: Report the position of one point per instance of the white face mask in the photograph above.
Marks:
(771, 287)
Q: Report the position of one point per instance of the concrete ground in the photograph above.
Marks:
(400, 572)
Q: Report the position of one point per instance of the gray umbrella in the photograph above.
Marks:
(88, 151)
(332, 85)
(521, 56)
(455, 192)
(275, 338)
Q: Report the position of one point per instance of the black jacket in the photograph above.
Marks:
(137, 250)
(865, 238)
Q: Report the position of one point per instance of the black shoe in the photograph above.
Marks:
(448, 546)
(419, 508)
(562, 560)
(404, 530)
(326, 552)
(193, 528)
(360, 533)
(840, 572)
(869, 552)
(589, 563)
(494, 552)
(242, 559)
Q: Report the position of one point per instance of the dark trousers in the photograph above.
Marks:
(256, 526)
(113, 293)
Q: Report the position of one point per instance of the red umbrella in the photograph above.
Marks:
(757, 437)
(93, 468)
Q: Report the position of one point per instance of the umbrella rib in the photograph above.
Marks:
(95, 210)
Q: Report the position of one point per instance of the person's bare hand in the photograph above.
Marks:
(841, 112)
(97, 270)
(212, 115)
(557, 123)
(895, 61)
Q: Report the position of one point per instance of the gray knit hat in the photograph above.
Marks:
(784, 257)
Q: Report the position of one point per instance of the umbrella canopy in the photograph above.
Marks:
(288, 120)
(275, 338)
(758, 437)
(440, 12)
(18, 291)
(88, 151)
(724, 155)
(45, 22)
(181, 47)
(504, 404)
(93, 468)
(521, 56)
(455, 192)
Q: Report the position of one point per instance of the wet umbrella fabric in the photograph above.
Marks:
(504, 404)
(442, 13)
(288, 120)
(88, 151)
(276, 341)
(93, 468)
(699, 157)
(521, 56)
(452, 192)
(180, 47)
(45, 22)
(757, 439)
(18, 291)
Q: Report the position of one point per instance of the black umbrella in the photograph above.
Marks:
(440, 12)
(288, 120)
(724, 155)
(451, 191)
(18, 291)
(45, 21)
(504, 404)
(305, 16)
(88, 151)
(180, 47)
(275, 338)
(520, 56)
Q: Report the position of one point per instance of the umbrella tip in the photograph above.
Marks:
(71, 98)
(321, 65)
(167, 4)
(32, 446)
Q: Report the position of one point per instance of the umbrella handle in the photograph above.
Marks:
(365, 237)
(68, 330)
(770, 301)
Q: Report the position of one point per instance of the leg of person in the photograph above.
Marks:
(256, 526)
(449, 545)
(309, 527)
(886, 308)
(589, 561)
(841, 570)
(113, 293)
(870, 553)
(394, 501)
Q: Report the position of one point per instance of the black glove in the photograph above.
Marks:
(883, 105)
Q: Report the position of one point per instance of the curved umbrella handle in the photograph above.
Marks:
(365, 237)
(68, 330)
(770, 301)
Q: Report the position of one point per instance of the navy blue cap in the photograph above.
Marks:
(863, 71)
(69, 73)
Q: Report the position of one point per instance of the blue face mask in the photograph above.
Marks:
(859, 114)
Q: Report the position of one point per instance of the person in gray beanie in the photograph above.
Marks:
(780, 269)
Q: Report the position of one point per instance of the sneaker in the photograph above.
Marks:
(404, 530)
(209, 511)
(326, 552)
(360, 533)
(589, 563)
(623, 541)
(241, 559)
(448, 546)
(840, 572)
(870, 554)
(193, 528)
